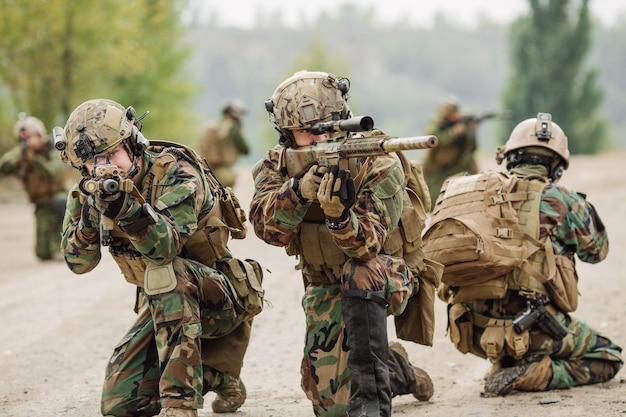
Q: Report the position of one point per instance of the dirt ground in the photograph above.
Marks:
(59, 328)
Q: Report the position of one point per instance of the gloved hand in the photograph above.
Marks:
(90, 216)
(114, 205)
(310, 182)
(337, 194)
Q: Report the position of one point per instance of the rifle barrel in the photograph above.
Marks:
(406, 144)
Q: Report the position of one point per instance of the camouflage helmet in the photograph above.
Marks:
(28, 126)
(94, 127)
(308, 97)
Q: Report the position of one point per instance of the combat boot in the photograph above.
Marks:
(423, 388)
(232, 397)
(177, 412)
(529, 374)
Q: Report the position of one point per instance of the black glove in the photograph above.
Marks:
(114, 205)
(337, 194)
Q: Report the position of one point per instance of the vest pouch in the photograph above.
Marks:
(159, 279)
(488, 290)
(563, 287)
(246, 277)
(234, 215)
(492, 339)
(516, 344)
(461, 327)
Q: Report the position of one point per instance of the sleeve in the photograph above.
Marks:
(9, 162)
(275, 209)
(377, 210)
(579, 229)
(80, 249)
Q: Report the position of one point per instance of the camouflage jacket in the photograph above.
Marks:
(181, 200)
(277, 215)
(573, 223)
(41, 174)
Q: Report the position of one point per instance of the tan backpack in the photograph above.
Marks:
(475, 226)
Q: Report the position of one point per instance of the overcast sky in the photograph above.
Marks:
(242, 13)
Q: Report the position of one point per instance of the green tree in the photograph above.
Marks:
(548, 50)
(55, 54)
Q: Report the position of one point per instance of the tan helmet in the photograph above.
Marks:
(536, 136)
(235, 107)
(447, 107)
(95, 127)
(28, 126)
(308, 97)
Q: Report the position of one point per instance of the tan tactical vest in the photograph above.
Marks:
(322, 260)
(209, 242)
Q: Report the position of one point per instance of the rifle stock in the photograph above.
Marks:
(337, 152)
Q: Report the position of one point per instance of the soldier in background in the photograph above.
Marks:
(166, 224)
(222, 143)
(457, 144)
(42, 175)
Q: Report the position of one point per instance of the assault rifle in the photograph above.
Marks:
(445, 124)
(536, 313)
(105, 179)
(345, 142)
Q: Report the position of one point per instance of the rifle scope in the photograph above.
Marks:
(353, 124)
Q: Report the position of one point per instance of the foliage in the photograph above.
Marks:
(548, 50)
(55, 54)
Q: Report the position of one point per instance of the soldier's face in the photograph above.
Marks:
(305, 138)
(119, 157)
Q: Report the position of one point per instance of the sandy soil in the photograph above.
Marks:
(59, 328)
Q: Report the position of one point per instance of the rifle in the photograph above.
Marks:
(445, 124)
(536, 313)
(105, 179)
(344, 143)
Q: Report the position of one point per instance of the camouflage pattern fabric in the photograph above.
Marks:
(42, 176)
(453, 155)
(584, 356)
(278, 216)
(162, 361)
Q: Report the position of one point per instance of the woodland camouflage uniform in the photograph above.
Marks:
(42, 174)
(584, 356)
(351, 285)
(189, 338)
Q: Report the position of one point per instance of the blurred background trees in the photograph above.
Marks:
(56, 54)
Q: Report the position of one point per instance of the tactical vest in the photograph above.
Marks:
(321, 260)
(209, 242)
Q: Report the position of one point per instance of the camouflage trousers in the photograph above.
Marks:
(583, 357)
(183, 344)
(48, 226)
(324, 369)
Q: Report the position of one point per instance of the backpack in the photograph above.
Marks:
(483, 226)
(417, 322)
